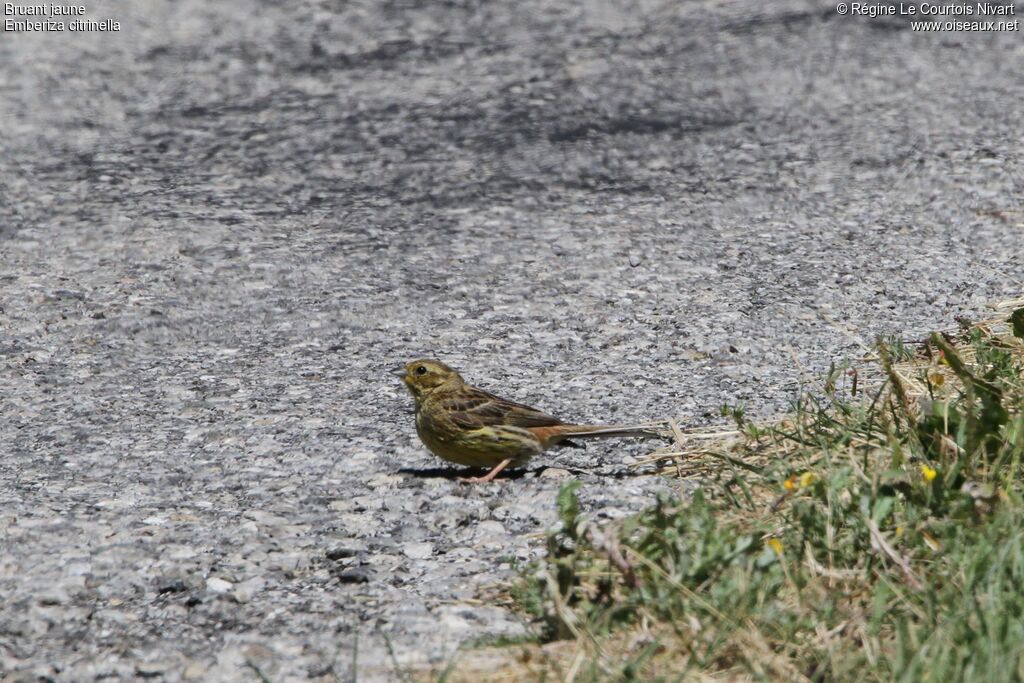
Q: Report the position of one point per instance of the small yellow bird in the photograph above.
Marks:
(469, 426)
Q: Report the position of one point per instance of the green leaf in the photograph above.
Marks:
(766, 558)
(893, 476)
(1017, 321)
(743, 543)
(882, 508)
(569, 506)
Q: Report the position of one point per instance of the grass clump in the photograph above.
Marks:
(873, 535)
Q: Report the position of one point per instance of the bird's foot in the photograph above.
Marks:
(487, 477)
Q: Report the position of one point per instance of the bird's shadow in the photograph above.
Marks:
(456, 473)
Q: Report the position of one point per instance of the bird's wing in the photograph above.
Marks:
(477, 408)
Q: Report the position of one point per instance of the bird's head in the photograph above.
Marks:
(424, 375)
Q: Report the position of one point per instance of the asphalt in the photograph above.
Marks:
(222, 225)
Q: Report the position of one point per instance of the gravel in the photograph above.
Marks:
(221, 226)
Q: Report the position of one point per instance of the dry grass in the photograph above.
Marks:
(874, 533)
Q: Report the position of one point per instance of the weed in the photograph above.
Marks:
(871, 535)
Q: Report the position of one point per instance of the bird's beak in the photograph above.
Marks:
(398, 372)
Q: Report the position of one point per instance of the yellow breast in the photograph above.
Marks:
(481, 447)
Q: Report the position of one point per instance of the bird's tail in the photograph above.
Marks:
(556, 433)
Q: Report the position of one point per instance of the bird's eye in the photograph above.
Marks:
(421, 370)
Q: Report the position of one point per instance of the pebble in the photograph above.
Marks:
(340, 553)
(355, 576)
(217, 585)
(555, 473)
(172, 586)
(151, 669)
(418, 551)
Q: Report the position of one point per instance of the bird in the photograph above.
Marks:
(468, 426)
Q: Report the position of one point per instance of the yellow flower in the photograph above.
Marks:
(937, 379)
(928, 473)
(800, 482)
(776, 545)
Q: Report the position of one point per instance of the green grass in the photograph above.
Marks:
(874, 534)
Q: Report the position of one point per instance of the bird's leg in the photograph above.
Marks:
(489, 476)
